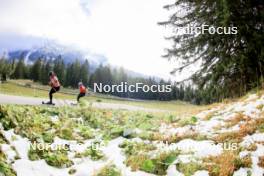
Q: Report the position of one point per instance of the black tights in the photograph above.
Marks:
(52, 91)
(80, 95)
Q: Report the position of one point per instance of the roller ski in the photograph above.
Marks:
(48, 103)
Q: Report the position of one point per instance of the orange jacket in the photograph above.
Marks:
(54, 81)
(82, 89)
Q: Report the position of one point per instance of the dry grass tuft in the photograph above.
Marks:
(261, 161)
(222, 165)
(226, 163)
(260, 107)
(136, 161)
(176, 138)
(252, 147)
(245, 129)
(209, 116)
(236, 119)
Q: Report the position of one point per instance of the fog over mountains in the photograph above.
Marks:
(31, 48)
(51, 51)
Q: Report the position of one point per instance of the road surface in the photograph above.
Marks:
(20, 100)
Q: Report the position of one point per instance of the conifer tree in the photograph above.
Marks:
(35, 71)
(231, 63)
(84, 72)
(5, 69)
(59, 69)
(20, 70)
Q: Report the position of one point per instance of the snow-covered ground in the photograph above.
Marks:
(210, 124)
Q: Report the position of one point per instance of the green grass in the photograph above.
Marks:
(13, 89)
(80, 123)
(93, 153)
(56, 158)
(5, 168)
(188, 169)
(157, 165)
(31, 89)
(35, 122)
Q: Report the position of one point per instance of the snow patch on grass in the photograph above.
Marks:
(199, 148)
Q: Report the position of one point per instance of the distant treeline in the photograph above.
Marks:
(70, 74)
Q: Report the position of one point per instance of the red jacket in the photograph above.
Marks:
(82, 89)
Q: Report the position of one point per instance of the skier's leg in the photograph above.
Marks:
(52, 91)
(78, 97)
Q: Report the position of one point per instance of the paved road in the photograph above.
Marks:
(20, 100)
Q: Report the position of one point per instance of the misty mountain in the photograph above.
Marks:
(15, 47)
(52, 51)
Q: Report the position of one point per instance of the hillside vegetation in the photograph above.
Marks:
(226, 139)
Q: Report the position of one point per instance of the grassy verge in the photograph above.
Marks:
(28, 88)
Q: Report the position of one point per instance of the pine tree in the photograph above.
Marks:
(43, 74)
(229, 62)
(46, 68)
(84, 72)
(59, 69)
(5, 69)
(76, 73)
(69, 76)
(35, 70)
(20, 70)
(97, 75)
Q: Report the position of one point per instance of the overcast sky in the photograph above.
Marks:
(125, 31)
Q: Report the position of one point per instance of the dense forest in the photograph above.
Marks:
(70, 74)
